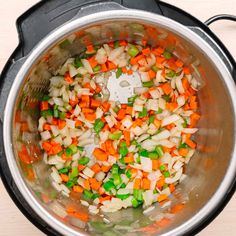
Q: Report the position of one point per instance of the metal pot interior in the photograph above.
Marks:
(205, 170)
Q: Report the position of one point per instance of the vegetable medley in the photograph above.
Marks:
(119, 155)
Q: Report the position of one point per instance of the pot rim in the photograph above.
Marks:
(84, 21)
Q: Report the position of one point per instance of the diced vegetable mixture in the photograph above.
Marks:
(119, 155)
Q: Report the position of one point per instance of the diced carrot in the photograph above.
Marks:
(65, 178)
(134, 60)
(86, 100)
(47, 126)
(65, 157)
(146, 184)
(100, 155)
(161, 197)
(56, 149)
(179, 63)
(87, 110)
(166, 149)
(129, 110)
(146, 51)
(109, 147)
(81, 167)
(129, 159)
(190, 143)
(95, 103)
(90, 48)
(96, 168)
(172, 187)
(24, 127)
(78, 189)
(105, 168)
(90, 116)
(24, 156)
(92, 61)
(82, 216)
(123, 43)
(111, 65)
(160, 60)
(86, 184)
(106, 128)
(195, 116)
(185, 83)
(157, 123)
(151, 74)
(67, 78)
(96, 185)
(102, 199)
(61, 124)
(46, 146)
(126, 134)
(130, 72)
(160, 183)
(104, 67)
(44, 106)
(106, 106)
(137, 183)
(124, 70)
(164, 222)
(176, 208)
(121, 114)
(183, 152)
(144, 42)
(160, 50)
(78, 123)
(187, 71)
(155, 164)
(98, 89)
(166, 87)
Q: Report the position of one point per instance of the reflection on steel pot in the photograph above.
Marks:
(210, 173)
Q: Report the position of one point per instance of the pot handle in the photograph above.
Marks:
(220, 17)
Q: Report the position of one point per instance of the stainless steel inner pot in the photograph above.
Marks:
(210, 172)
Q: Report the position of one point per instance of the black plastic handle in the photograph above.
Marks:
(220, 17)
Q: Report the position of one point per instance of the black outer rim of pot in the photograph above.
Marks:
(17, 197)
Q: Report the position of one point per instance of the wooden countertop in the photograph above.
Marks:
(12, 221)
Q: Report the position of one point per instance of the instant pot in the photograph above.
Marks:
(54, 30)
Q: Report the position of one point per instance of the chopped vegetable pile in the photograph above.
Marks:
(119, 155)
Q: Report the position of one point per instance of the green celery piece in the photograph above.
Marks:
(74, 173)
(122, 196)
(166, 97)
(115, 136)
(159, 150)
(162, 168)
(62, 115)
(80, 148)
(98, 125)
(131, 100)
(143, 153)
(151, 119)
(97, 68)
(167, 54)
(135, 203)
(133, 51)
(159, 111)
(68, 152)
(155, 68)
(108, 185)
(118, 73)
(116, 109)
(46, 113)
(148, 84)
(63, 170)
(185, 124)
(78, 63)
(95, 195)
(64, 44)
(55, 113)
(171, 74)
(183, 145)
(74, 148)
(45, 98)
(123, 150)
(117, 179)
(153, 155)
(116, 44)
(166, 174)
(142, 113)
(83, 161)
(128, 173)
(70, 184)
(138, 194)
(87, 194)
(115, 169)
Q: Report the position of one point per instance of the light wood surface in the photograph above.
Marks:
(12, 221)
